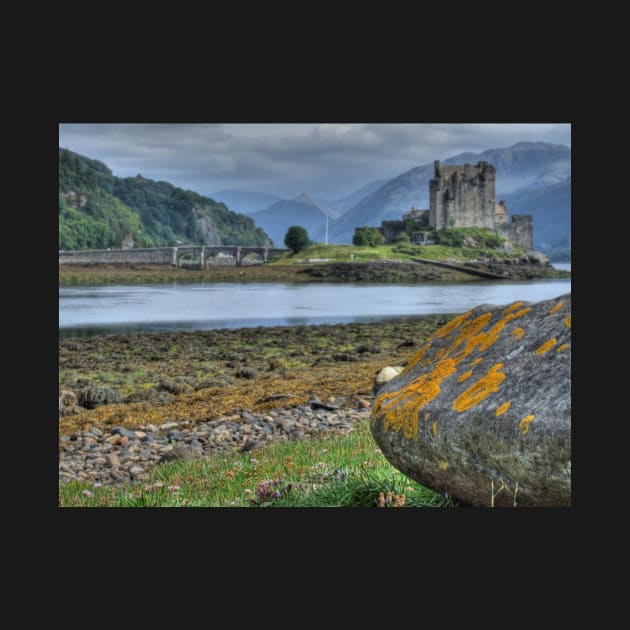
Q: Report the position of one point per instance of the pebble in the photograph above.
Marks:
(127, 455)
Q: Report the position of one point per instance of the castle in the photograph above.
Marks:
(464, 196)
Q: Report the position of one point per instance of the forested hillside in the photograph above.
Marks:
(99, 210)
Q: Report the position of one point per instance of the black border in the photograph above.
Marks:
(356, 93)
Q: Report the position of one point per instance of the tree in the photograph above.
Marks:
(403, 237)
(296, 238)
(367, 236)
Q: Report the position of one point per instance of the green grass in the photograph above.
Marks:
(338, 253)
(339, 471)
(341, 253)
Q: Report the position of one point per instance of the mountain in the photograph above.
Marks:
(303, 211)
(99, 210)
(246, 202)
(551, 207)
(345, 203)
(523, 166)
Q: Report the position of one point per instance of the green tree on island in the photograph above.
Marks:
(296, 238)
(367, 236)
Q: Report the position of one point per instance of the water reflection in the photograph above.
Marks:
(119, 309)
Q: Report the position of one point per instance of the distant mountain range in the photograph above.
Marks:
(551, 207)
(303, 211)
(532, 177)
(246, 202)
(275, 215)
(521, 167)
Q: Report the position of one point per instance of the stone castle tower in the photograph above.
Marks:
(464, 196)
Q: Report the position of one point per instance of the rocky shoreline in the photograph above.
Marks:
(527, 267)
(123, 455)
(128, 402)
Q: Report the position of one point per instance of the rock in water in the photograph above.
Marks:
(483, 410)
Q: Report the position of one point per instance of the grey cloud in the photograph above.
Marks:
(327, 160)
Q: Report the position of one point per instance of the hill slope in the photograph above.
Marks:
(302, 210)
(551, 207)
(98, 210)
(245, 202)
(525, 165)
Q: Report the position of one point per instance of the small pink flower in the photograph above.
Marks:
(87, 493)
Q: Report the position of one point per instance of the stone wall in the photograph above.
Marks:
(520, 231)
(462, 196)
(146, 256)
(177, 256)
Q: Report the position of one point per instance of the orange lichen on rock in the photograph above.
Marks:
(545, 347)
(501, 409)
(567, 322)
(492, 336)
(416, 357)
(477, 361)
(556, 308)
(562, 347)
(476, 338)
(513, 307)
(522, 312)
(442, 465)
(518, 332)
(464, 376)
(452, 325)
(523, 425)
(468, 332)
(434, 427)
(486, 385)
(402, 408)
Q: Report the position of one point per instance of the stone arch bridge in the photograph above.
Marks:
(201, 256)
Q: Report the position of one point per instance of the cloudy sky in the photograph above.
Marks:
(323, 160)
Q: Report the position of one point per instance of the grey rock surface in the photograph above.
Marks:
(483, 410)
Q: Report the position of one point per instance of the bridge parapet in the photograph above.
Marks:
(165, 255)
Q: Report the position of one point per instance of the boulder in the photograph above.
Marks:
(482, 411)
(386, 375)
(67, 402)
(538, 258)
(91, 397)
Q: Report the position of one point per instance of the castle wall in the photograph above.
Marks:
(462, 196)
(520, 231)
